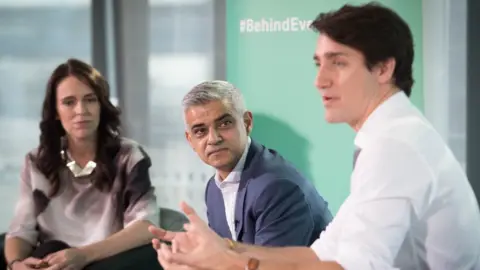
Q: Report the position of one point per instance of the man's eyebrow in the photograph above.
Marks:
(329, 55)
(197, 126)
(222, 117)
(218, 119)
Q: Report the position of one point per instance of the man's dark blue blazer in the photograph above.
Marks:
(275, 205)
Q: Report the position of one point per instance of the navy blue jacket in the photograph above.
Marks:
(275, 205)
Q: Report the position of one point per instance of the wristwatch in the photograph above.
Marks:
(252, 264)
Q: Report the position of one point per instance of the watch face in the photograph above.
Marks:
(252, 264)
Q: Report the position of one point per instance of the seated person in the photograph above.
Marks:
(256, 196)
(86, 199)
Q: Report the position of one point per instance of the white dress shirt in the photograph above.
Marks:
(410, 205)
(229, 189)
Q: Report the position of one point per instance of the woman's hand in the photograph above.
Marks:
(71, 259)
(27, 264)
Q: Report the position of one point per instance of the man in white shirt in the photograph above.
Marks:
(410, 204)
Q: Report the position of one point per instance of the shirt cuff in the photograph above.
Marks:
(350, 257)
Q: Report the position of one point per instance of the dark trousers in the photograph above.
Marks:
(3, 262)
(143, 257)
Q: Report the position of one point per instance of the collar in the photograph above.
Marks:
(378, 120)
(234, 176)
(77, 170)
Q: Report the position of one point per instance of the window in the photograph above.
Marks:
(181, 56)
(36, 36)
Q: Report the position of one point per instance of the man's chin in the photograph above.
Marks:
(220, 165)
(333, 119)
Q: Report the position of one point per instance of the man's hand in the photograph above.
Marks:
(163, 249)
(198, 247)
(180, 243)
(162, 234)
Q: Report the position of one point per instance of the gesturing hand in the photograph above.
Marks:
(163, 249)
(180, 243)
(198, 247)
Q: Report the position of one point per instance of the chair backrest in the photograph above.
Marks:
(172, 220)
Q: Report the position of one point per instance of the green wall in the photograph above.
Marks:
(275, 71)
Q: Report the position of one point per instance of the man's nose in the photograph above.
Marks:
(214, 137)
(323, 79)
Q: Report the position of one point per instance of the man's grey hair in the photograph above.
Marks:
(217, 90)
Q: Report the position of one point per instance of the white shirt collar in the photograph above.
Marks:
(381, 116)
(234, 175)
(76, 169)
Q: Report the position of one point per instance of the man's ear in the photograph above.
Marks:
(189, 138)
(384, 71)
(248, 121)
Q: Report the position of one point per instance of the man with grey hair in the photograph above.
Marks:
(255, 196)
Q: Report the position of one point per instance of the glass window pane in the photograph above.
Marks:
(35, 36)
(181, 56)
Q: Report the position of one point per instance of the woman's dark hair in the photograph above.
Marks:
(376, 31)
(48, 158)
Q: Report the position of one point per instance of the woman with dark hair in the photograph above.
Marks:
(86, 198)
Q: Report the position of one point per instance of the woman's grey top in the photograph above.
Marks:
(81, 214)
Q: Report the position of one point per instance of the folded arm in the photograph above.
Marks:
(141, 211)
(17, 249)
(22, 234)
(133, 236)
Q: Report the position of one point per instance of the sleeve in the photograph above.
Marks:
(391, 187)
(24, 223)
(283, 215)
(139, 194)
